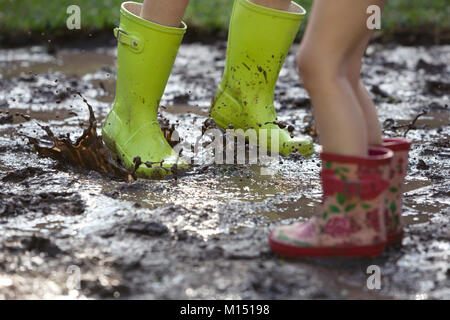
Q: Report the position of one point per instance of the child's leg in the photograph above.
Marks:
(274, 4)
(334, 32)
(349, 222)
(165, 12)
(370, 113)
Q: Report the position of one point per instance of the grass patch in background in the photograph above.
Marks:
(206, 17)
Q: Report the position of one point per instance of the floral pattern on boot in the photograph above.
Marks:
(394, 195)
(351, 213)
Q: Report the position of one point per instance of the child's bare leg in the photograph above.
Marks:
(370, 113)
(165, 12)
(334, 32)
(274, 4)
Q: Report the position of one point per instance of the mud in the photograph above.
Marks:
(87, 152)
(70, 232)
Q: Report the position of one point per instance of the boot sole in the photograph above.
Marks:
(157, 172)
(291, 251)
(223, 121)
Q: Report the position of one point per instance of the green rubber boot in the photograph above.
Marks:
(258, 42)
(145, 56)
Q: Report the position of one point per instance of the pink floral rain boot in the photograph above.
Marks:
(394, 195)
(350, 220)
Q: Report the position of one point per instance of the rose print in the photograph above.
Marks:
(373, 219)
(340, 226)
(305, 230)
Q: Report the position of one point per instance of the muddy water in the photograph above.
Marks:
(204, 235)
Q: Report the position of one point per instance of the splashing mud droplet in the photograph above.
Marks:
(87, 152)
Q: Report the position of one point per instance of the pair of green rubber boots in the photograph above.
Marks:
(259, 40)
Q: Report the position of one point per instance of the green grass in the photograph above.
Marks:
(19, 17)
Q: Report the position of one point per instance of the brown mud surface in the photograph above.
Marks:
(204, 234)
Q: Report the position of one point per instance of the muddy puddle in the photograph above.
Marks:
(68, 232)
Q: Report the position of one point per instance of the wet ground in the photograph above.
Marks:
(66, 232)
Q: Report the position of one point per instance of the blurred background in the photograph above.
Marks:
(24, 21)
